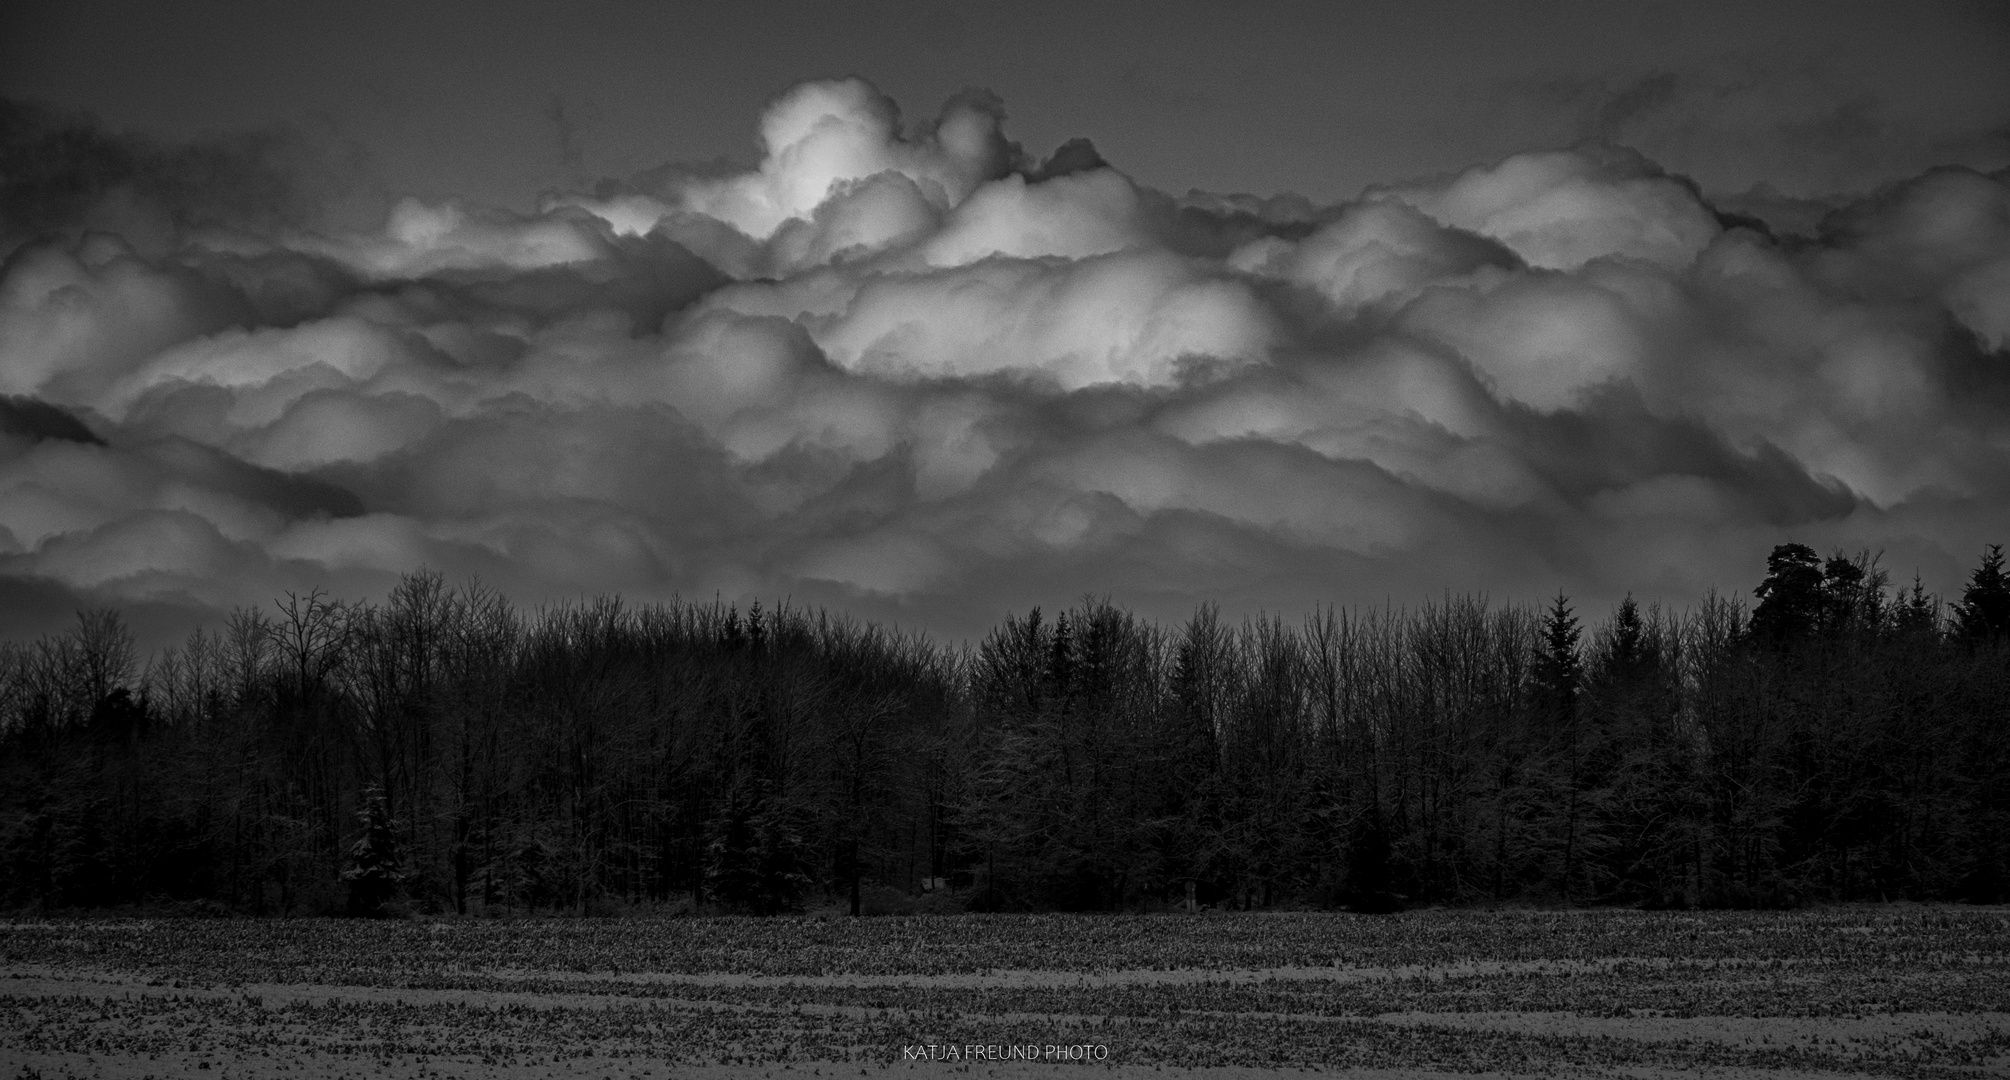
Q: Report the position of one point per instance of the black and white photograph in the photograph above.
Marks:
(1241, 539)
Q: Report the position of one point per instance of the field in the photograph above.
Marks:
(1898, 991)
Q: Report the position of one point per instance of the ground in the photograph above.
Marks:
(1880, 991)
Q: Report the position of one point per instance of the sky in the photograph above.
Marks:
(1340, 303)
(499, 100)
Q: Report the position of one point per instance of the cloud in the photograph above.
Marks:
(1562, 209)
(1071, 217)
(1805, 125)
(1130, 317)
(73, 317)
(822, 134)
(62, 173)
(901, 369)
(839, 176)
(1377, 254)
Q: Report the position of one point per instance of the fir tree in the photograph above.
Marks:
(1918, 613)
(1984, 611)
(754, 860)
(374, 871)
(1559, 671)
(1628, 636)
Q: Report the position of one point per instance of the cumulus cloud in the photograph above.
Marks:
(840, 176)
(823, 134)
(1562, 209)
(1378, 253)
(902, 369)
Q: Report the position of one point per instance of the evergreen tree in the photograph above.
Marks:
(374, 870)
(1918, 614)
(732, 851)
(758, 848)
(1791, 597)
(1984, 611)
(1637, 760)
(1559, 671)
(1628, 637)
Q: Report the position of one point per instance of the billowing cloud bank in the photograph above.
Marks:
(906, 370)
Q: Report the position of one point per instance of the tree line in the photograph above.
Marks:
(444, 750)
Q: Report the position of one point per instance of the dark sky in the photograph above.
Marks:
(497, 99)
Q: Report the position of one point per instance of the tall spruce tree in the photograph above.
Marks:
(1559, 675)
(1917, 613)
(1559, 671)
(1984, 611)
(1628, 636)
(374, 870)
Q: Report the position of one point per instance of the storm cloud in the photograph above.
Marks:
(907, 369)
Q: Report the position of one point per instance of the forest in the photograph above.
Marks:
(1837, 739)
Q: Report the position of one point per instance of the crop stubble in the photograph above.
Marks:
(1905, 991)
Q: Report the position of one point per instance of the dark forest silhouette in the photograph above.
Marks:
(445, 751)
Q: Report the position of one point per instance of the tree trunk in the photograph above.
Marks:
(851, 859)
(1569, 847)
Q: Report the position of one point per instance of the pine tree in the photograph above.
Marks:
(1918, 613)
(1636, 760)
(1790, 599)
(1559, 671)
(759, 845)
(374, 871)
(732, 850)
(1628, 636)
(1984, 611)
